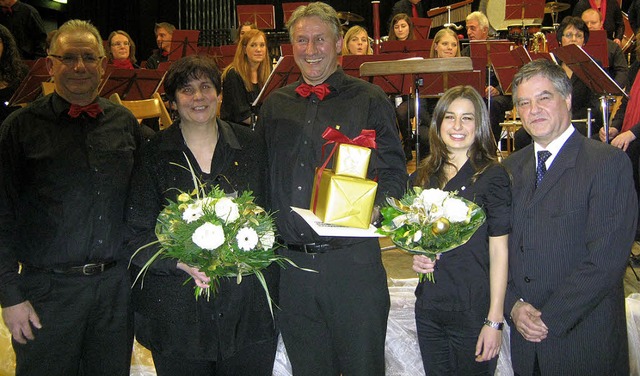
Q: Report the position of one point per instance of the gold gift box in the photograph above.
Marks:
(351, 160)
(344, 200)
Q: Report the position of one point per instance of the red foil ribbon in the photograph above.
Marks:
(366, 138)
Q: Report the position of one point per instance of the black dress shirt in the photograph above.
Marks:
(155, 59)
(169, 319)
(26, 26)
(63, 186)
(236, 99)
(293, 128)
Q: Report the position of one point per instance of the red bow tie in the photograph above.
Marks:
(92, 110)
(305, 90)
(7, 10)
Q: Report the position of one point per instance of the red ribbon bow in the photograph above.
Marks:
(92, 110)
(304, 89)
(366, 138)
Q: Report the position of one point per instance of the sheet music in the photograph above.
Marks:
(266, 84)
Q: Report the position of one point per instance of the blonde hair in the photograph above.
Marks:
(436, 39)
(353, 31)
(77, 26)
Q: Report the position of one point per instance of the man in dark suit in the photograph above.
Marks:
(407, 7)
(574, 219)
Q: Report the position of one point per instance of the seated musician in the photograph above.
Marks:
(478, 29)
(625, 126)
(163, 31)
(246, 26)
(618, 69)
(243, 79)
(122, 50)
(611, 13)
(356, 42)
(572, 30)
(401, 28)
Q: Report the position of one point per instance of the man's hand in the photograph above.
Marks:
(528, 322)
(492, 91)
(613, 132)
(19, 318)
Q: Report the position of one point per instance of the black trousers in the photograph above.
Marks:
(87, 325)
(448, 342)
(334, 320)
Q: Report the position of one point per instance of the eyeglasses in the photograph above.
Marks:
(72, 60)
(571, 36)
(118, 44)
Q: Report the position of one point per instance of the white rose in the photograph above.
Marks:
(417, 236)
(267, 239)
(455, 210)
(227, 210)
(430, 197)
(208, 236)
(193, 212)
(247, 238)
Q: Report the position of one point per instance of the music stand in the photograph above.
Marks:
(507, 64)
(132, 84)
(183, 43)
(596, 47)
(31, 86)
(521, 9)
(285, 72)
(263, 16)
(417, 68)
(593, 76)
(459, 14)
(288, 8)
(421, 27)
(420, 48)
(480, 51)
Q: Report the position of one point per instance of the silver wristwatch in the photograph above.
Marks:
(494, 325)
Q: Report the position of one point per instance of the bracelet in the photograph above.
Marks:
(494, 325)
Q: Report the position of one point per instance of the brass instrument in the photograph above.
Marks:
(538, 43)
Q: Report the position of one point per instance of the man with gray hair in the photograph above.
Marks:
(574, 213)
(164, 32)
(333, 321)
(65, 163)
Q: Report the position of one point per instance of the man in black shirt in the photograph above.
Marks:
(163, 31)
(65, 163)
(334, 320)
(25, 24)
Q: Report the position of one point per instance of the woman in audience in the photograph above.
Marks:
(459, 317)
(122, 50)
(12, 71)
(445, 44)
(572, 30)
(356, 42)
(244, 78)
(232, 333)
(401, 28)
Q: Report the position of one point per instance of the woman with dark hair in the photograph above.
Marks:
(572, 30)
(459, 317)
(122, 50)
(401, 28)
(12, 71)
(244, 78)
(232, 333)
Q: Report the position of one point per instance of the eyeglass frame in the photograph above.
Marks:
(83, 57)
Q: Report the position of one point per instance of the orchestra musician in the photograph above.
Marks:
(401, 28)
(610, 13)
(618, 69)
(356, 42)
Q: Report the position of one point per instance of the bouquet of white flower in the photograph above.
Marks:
(224, 237)
(430, 221)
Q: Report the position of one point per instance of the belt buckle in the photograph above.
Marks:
(87, 269)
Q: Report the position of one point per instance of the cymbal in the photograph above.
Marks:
(351, 17)
(555, 7)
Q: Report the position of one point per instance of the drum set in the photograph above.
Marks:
(527, 31)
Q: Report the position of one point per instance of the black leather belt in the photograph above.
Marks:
(86, 269)
(311, 247)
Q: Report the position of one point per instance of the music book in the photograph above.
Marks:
(132, 84)
(31, 86)
(480, 51)
(420, 47)
(597, 48)
(390, 84)
(262, 15)
(183, 43)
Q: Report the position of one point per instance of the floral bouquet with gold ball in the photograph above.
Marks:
(429, 222)
(225, 237)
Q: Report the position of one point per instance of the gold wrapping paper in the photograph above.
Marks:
(351, 160)
(344, 200)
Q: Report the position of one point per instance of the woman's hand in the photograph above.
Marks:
(488, 345)
(200, 278)
(423, 264)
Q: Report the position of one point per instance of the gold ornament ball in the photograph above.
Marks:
(440, 226)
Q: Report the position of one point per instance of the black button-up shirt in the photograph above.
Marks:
(63, 186)
(293, 128)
